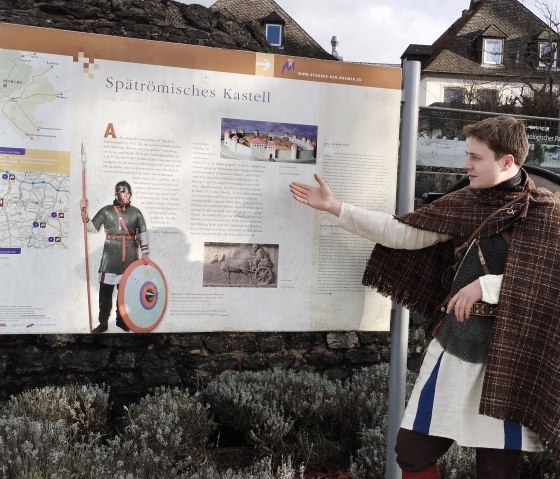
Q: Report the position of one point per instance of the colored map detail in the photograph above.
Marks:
(34, 189)
(31, 95)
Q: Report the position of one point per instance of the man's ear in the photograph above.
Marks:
(509, 161)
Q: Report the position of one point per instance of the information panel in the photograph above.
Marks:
(209, 140)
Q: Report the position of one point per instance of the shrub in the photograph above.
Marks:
(289, 417)
(262, 469)
(171, 423)
(281, 412)
(83, 406)
(538, 464)
(27, 447)
(458, 463)
(367, 405)
(41, 449)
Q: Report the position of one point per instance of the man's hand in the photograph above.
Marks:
(83, 210)
(146, 258)
(318, 197)
(461, 304)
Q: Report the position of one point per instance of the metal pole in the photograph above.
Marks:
(405, 203)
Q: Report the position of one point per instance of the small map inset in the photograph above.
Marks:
(32, 96)
(34, 187)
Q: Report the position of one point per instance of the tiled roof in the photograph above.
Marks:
(456, 51)
(492, 31)
(297, 41)
(415, 49)
(417, 52)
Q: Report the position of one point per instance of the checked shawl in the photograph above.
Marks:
(522, 380)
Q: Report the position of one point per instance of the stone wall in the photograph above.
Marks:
(134, 364)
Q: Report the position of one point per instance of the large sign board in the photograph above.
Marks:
(209, 140)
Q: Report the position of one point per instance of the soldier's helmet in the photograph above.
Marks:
(123, 187)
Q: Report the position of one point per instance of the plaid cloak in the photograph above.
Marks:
(522, 380)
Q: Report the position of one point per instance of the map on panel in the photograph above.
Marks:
(34, 180)
(33, 205)
(32, 95)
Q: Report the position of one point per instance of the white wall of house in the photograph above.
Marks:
(432, 89)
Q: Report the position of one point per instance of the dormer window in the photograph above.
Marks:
(548, 54)
(492, 51)
(490, 46)
(274, 34)
(274, 29)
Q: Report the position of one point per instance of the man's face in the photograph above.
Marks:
(483, 168)
(123, 197)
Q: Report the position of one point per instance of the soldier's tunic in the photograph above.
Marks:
(124, 230)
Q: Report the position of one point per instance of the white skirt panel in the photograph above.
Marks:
(445, 400)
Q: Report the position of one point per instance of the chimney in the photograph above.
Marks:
(334, 44)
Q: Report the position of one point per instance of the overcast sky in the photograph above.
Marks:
(375, 31)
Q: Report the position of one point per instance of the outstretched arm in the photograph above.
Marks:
(318, 197)
(376, 226)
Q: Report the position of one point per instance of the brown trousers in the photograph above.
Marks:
(417, 452)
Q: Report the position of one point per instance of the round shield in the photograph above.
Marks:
(142, 296)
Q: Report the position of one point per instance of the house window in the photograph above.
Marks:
(274, 34)
(548, 54)
(487, 97)
(453, 95)
(492, 51)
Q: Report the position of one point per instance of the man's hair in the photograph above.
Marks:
(504, 135)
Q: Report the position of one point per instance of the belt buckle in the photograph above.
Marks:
(483, 309)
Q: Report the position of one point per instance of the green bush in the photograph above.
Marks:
(262, 469)
(28, 447)
(287, 417)
(172, 423)
(458, 463)
(281, 412)
(84, 406)
(367, 405)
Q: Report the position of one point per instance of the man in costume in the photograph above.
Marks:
(125, 231)
(488, 257)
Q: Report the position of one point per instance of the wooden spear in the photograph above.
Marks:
(84, 221)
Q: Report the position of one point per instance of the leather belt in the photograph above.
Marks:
(484, 309)
(120, 237)
(123, 239)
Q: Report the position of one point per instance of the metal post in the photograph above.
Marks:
(405, 203)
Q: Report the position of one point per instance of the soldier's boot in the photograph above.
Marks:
(105, 302)
(120, 323)
(100, 329)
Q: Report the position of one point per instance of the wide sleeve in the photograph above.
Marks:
(491, 285)
(384, 229)
(98, 220)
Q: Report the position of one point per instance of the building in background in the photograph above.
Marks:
(498, 56)
(281, 31)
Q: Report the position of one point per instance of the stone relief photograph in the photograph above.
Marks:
(252, 265)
